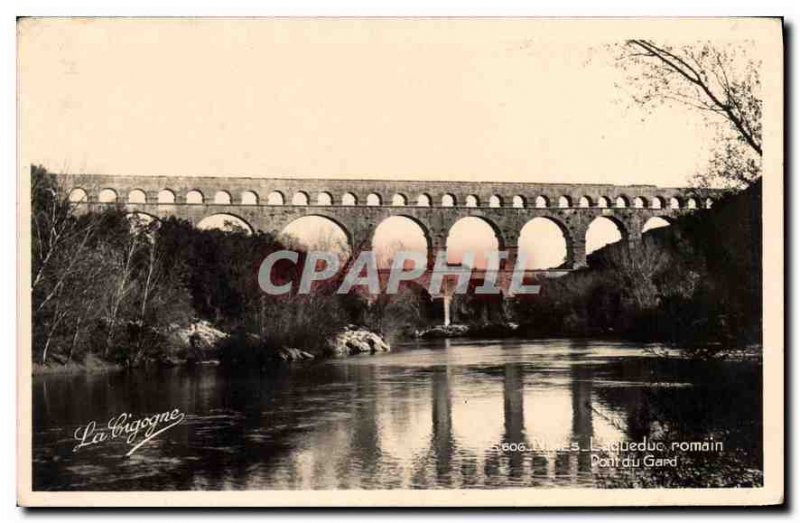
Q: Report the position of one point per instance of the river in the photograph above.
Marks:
(430, 414)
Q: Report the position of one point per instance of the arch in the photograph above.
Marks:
(399, 200)
(77, 195)
(495, 201)
(471, 201)
(107, 196)
(655, 222)
(657, 202)
(473, 234)
(137, 196)
(225, 222)
(603, 202)
(639, 203)
(300, 198)
(166, 196)
(194, 197)
(249, 198)
(564, 202)
(222, 198)
(621, 202)
(399, 233)
(349, 199)
(691, 203)
(584, 202)
(374, 199)
(275, 198)
(602, 231)
(324, 198)
(318, 232)
(674, 203)
(423, 200)
(448, 200)
(545, 242)
(541, 202)
(518, 202)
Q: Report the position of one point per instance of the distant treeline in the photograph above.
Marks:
(696, 284)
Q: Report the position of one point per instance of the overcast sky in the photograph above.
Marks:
(433, 99)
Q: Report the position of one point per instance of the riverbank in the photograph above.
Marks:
(251, 351)
(90, 364)
(200, 343)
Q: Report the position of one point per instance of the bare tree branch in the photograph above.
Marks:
(697, 75)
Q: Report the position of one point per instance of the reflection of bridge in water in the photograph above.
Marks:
(359, 206)
(484, 435)
(516, 455)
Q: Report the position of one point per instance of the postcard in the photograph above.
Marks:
(400, 262)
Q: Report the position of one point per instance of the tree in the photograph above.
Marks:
(100, 281)
(67, 275)
(722, 83)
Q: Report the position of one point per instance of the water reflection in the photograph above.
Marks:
(454, 414)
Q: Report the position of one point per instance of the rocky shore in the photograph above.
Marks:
(251, 351)
(354, 340)
(197, 342)
(351, 341)
(200, 343)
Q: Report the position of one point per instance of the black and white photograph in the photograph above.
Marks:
(402, 261)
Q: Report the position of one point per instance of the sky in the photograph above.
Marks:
(531, 100)
(410, 99)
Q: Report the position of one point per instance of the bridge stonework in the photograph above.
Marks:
(359, 206)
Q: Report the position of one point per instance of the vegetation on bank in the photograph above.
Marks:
(696, 284)
(114, 288)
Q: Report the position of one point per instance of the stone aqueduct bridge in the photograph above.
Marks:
(359, 206)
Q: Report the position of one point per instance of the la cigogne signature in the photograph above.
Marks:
(135, 431)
